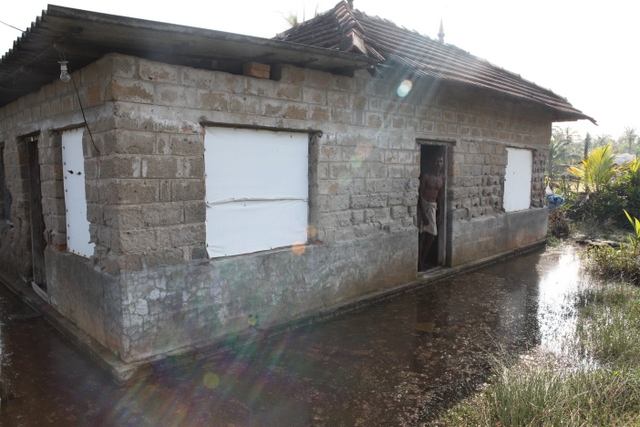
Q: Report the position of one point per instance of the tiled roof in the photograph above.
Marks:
(83, 36)
(350, 30)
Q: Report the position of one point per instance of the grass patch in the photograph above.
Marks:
(619, 264)
(553, 241)
(609, 325)
(550, 392)
(596, 229)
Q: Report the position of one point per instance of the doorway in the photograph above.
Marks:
(38, 242)
(433, 186)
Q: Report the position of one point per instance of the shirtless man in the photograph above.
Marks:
(430, 207)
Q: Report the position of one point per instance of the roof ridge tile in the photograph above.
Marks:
(383, 40)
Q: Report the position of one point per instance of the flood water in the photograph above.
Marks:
(395, 363)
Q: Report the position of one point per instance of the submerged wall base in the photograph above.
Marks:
(473, 240)
(123, 372)
(150, 313)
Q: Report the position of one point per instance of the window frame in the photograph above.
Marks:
(75, 197)
(518, 179)
(257, 189)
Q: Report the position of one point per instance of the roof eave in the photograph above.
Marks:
(566, 113)
(562, 116)
(84, 36)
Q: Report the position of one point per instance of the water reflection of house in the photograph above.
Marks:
(189, 185)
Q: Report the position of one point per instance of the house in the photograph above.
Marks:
(177, 187)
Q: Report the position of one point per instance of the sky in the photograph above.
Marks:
(584, 52)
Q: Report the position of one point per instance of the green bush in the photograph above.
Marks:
(614, 264)
(597, 171)
(606, 206)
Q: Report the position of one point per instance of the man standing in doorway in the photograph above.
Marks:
(430, 206)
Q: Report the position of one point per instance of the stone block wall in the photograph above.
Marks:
(476, 188)
(364, 177)
(52, 188)
(145, 190)
(43, 115)
(15, 237)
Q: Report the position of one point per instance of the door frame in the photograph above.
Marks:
(37, 225)
(428, 148)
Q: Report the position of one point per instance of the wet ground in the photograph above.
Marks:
(396, 363)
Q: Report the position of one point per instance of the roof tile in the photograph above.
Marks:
(343, 28)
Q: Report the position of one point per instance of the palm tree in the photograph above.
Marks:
(562, 151)
(587, 143)
(602, 140)
(597, 170)
(629, 136)
(569, 133)
(633, 172)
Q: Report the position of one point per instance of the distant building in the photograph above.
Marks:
(623, 158)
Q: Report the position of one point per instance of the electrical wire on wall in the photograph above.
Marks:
(66, 76)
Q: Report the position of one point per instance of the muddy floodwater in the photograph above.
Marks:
(395, 363)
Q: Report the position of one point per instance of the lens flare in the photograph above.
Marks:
(311, 231)
(363, 150)
(361, 153)
(211, 380)
(298, 248)
(404, 88)
(253, 320)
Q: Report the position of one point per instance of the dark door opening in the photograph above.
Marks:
(38, 242)
(431, 207)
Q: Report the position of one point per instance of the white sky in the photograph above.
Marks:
(584, 52)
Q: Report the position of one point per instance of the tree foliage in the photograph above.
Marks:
(567, 146)
(633, 173)
(602, 140)
(629, 138)
(562, 151)
(634, 239)
(597, 170)
(597, 191)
